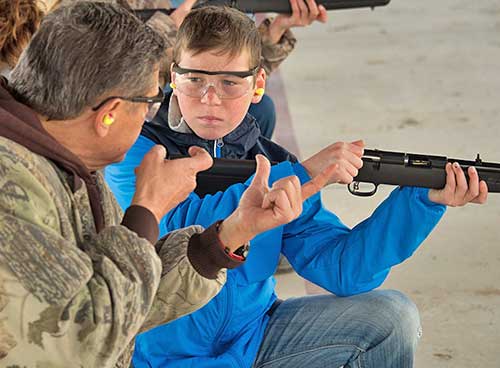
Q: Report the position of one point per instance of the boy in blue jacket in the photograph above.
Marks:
(215, 76)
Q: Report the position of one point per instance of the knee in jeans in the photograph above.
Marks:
(402, 315)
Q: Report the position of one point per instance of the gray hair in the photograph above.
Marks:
(84, 52)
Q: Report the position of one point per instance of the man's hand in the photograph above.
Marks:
(304, 12)
(346, 155)
(162, 184)
(456, 191)
(180, 13)
(262, 208)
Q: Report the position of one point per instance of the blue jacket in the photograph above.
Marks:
(227, 332)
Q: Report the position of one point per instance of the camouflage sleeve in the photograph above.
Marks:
(182, 289)
(63, 303)
(274, 54)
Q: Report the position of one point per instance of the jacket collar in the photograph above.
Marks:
(239, 141)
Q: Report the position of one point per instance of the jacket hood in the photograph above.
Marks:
(21, 124)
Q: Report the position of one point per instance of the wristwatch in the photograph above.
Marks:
(239, 254)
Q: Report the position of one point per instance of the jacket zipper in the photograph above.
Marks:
(218, 144)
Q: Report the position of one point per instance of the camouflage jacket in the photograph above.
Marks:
(272, 54)
(71, 297)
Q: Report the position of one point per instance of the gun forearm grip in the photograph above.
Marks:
(283, 6)
(417, 170)
(270, 6)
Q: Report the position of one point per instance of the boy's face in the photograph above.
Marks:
(215, 113)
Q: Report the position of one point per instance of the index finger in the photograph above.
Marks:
(318, 182)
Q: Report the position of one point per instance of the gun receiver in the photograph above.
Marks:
(271, 6)
(379, 167)
(418, 170)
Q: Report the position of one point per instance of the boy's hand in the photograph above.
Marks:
(304, 12)
(346, 155)
(262, 208)
(456, 191)
(162, 184)
(180, 13)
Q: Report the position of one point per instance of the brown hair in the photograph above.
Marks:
(58, 3)
(19, 20)
(221, 29)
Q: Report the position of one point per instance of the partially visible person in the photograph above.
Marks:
(216, 76)
(79, 278)
(19, 19)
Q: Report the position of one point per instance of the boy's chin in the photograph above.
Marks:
(211, 134)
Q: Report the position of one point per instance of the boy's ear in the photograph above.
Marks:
(172, 79)
(105, 117)
(260, 86)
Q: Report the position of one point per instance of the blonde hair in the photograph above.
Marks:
(19, 20)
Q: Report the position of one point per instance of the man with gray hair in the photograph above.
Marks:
(78, 279)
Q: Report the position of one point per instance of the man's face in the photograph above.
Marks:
(129, 119)
(211, 116)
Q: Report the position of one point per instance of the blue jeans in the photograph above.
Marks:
(379, 329)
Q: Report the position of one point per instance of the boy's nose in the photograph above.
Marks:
(210, 96)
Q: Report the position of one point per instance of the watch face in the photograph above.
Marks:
(242, 251)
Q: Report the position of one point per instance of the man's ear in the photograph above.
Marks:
(106, 116)
(260, 86)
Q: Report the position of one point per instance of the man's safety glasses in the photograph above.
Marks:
(154, 103)
(226, 84)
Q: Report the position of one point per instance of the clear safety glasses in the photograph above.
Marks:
(226, 84)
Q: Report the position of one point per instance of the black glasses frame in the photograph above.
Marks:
(150, 100)
(243, 74)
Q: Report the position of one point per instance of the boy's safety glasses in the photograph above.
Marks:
(226, 84)
(153, 102)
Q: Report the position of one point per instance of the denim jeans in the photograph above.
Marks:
(379, 329)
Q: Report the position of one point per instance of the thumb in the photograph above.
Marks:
(323, 15)
(159, 151)
(200, 159)
(187, 4)
(359, 147)
(359, 143)
(262, 172)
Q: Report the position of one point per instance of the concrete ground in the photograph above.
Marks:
(422, 77)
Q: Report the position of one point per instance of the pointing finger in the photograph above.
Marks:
(318, 182)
